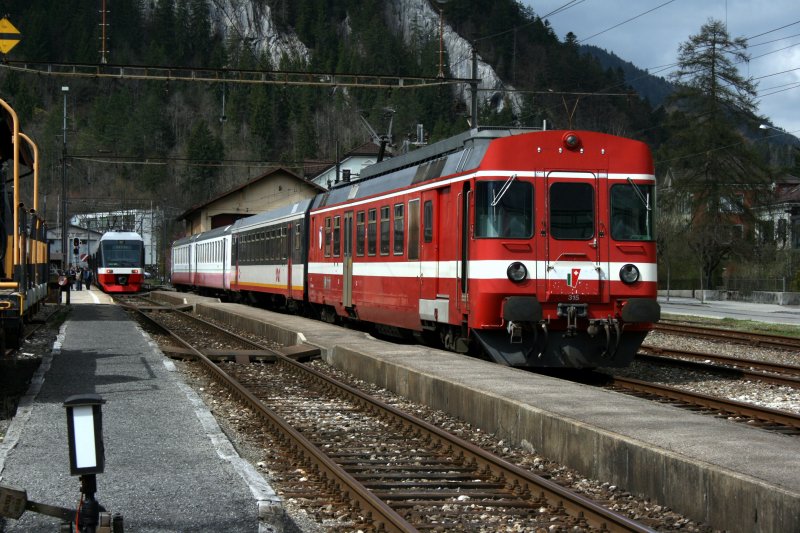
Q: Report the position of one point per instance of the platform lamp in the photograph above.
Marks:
(86, 452)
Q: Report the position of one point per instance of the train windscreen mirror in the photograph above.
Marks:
(85, 434)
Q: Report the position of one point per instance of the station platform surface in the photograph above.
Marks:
(729, 475)
(168, 465)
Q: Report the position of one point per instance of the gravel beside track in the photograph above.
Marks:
(761, 394)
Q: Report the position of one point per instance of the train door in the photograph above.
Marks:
(573, 270)
(463, 226)
(347, 261)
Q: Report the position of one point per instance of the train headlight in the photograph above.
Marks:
(629, 273)
(517, 272)
(571, 140)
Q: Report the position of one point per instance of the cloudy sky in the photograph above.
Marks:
(650, 39)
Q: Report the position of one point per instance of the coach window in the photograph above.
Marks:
(337, 236)
(283, 243)
(413, 229)
(504, 209)
(399, 229)
(572, 211)
(385, 229)
(360, 233)
(298, 232)
(328, 237)
(372, 232)
(427, 221)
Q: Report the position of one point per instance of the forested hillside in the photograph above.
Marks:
(160, 139)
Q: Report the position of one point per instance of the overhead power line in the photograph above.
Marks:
(222, 75)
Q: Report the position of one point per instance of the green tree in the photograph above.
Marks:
(204, 152)
(715, 170)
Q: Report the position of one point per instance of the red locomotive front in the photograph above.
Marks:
(563, 260)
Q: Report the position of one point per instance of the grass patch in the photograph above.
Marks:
(751, 326)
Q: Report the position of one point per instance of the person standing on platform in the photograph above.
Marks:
(87, 278)
(78, 279)
(64, 286)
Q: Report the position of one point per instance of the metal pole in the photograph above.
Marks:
(64, 243)
(474, 88)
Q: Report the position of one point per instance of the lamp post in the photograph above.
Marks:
(64, 243)
(86, 452)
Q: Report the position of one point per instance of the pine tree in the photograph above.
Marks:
(714, 168)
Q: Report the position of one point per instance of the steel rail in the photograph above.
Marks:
(763, 414)
(375, 509)
(775, 373)
(573, 503)
(757, 339)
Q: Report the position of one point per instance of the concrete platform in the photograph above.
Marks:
(169, 467)
(725, 474)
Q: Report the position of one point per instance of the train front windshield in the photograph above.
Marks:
(122, 254)
(632, 212)
(504, 209)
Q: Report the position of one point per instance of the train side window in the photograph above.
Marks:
(572, 211)
(399, 229)
(337, 244)
(327, 236)
(360, 233)
(372, 232)
(283, 243)
(385, 228)
(427, 221)
(413, 229)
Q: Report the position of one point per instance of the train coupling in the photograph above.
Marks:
(572, 312)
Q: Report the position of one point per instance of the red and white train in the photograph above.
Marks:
(536, 248)
(119, 262)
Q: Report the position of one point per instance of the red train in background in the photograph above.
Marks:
(536, 248)
(119, 262)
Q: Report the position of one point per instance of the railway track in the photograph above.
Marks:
(753, 339)
(387, 469)
(764, 417)
(766, 372)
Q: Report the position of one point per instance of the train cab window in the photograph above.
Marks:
(572, 211)
(427, 221)
(385, 228)
(632, 212)
(399, 229)
(372, 232)
(504, 209)
(337, 243)
(328, 237)
(360, 233)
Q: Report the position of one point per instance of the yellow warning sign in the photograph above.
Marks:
(9, 36)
